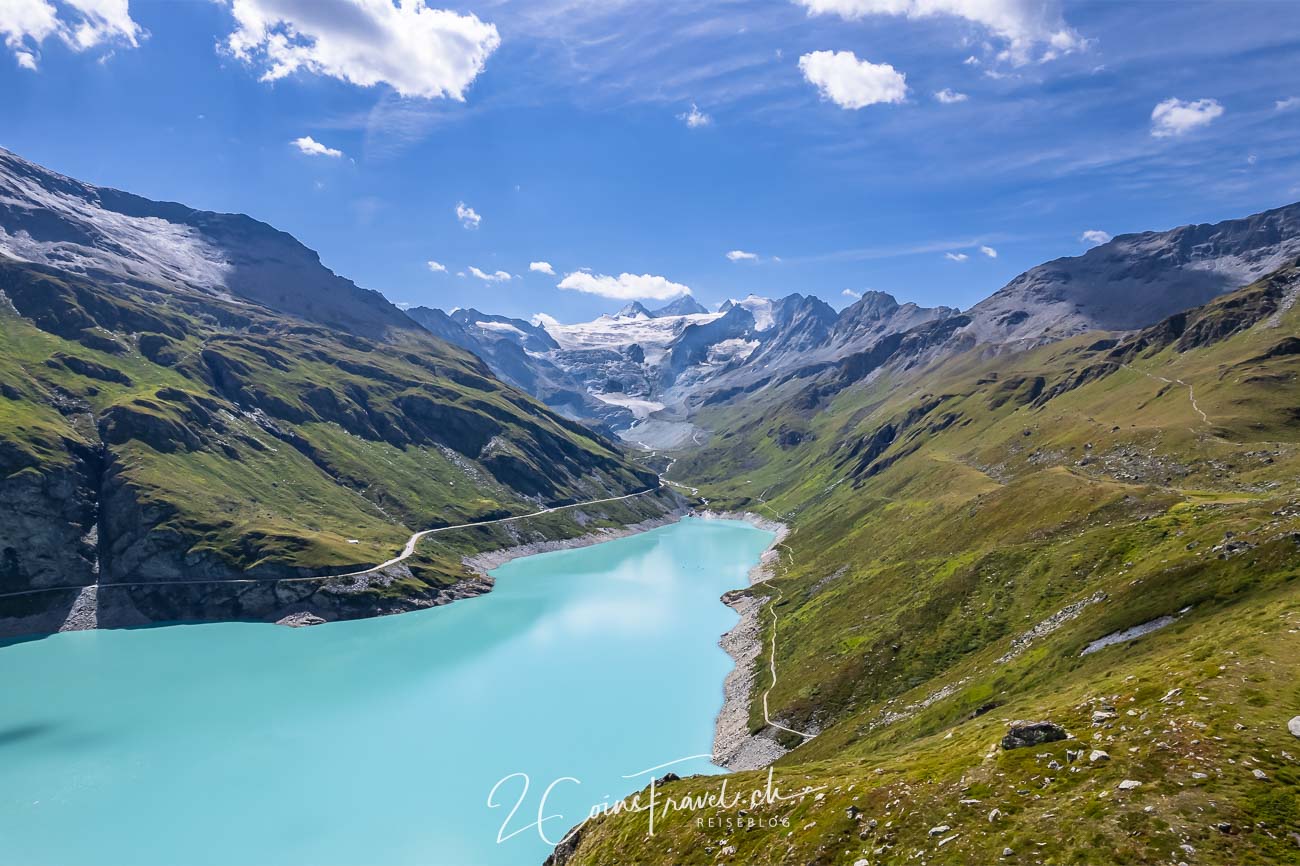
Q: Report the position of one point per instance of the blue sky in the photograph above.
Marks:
(573, 140)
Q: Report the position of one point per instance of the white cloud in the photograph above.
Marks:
(742, 256)
(948, 97)
(624, 287)
(849, 293)
(1023, 24)
(695, 118)
(956, 257)
(1175, 117)
(1287, 104)
(541, 268)
(403, 305)
(989, 251)
(416, 50)
(542, 320)
(468, 217)
(852, 83)
(495, 277)
(312, 147)
(1095, 236)
(436, 267)
(78, 24)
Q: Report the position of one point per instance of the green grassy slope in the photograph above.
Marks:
(149, 434)
(960, 535)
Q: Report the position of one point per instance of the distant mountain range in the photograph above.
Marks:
(644, 373)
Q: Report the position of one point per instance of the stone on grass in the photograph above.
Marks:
(1022, 734)
(1129, 785)
(940, 830)
(1259, 774)
(1097, 755)
(1294, 726)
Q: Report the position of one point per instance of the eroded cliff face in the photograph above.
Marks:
(48, 532)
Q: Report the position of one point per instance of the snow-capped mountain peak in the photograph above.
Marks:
(634, 310)
(762, 309)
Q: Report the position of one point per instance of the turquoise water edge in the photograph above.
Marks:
(375, 741)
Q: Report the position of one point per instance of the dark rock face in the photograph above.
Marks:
(692, 347)
(1023, 734)
(564, 851)
(48, 532)
(683, 306)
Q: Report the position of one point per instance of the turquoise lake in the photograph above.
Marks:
(377, 741)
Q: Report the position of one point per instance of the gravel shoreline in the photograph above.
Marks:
(482, 563)
(734, 747)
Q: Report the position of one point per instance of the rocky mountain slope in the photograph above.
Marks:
(1099, 535)
(1137, 279)
(113, 236)
(193, 409)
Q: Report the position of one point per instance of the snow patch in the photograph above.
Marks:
(1129, 634)
(727, 351)
(638, 406)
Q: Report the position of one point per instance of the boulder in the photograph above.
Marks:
(1022, 734)
(1129, 785)
(1294, 726)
